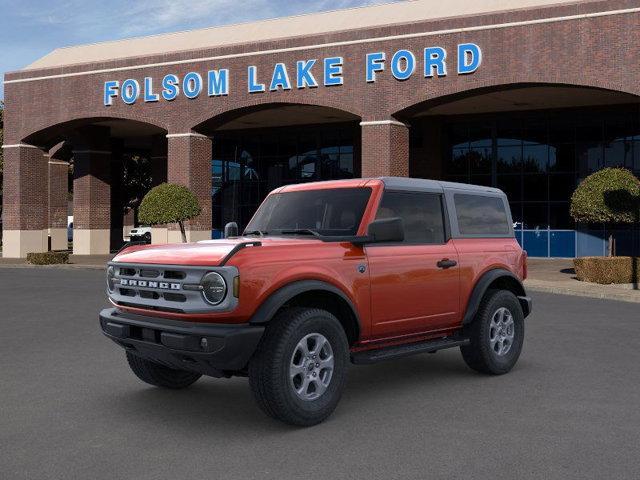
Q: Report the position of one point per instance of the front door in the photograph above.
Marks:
(412, 289)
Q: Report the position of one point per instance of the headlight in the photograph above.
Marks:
(214, 288)
(111, 273)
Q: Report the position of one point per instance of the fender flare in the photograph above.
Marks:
(481, 287)
(277, 299)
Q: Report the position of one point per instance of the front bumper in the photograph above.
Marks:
(211, 349)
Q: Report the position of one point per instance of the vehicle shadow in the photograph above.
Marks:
(227, 405)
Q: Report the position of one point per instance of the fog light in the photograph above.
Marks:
(204, 343)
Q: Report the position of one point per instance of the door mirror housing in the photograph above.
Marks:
(231, 230)
(386, 230)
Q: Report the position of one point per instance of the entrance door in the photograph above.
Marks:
(410, 292)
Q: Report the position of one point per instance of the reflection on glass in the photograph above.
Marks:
(537, 158)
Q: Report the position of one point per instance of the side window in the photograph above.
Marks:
(481, 215)
(421, 214)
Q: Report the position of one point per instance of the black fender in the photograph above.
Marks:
(280, 297)
(482, 285)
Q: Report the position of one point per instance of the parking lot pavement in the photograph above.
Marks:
(71, 409)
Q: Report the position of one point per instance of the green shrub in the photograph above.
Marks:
(169, 203)
(611, 195)
(48, 258)
(607, 270)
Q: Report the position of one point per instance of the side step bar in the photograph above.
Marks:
(391, 353)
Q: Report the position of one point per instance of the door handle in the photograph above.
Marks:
(446, 263)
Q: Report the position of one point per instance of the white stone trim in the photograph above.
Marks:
(383, 122)
(190, 134)
(21, 145)
(100, 152)
(477, 28)
(58, 162)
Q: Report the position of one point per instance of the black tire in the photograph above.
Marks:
(479, 354)
(159, 375)
(269, 374)
(147, 237)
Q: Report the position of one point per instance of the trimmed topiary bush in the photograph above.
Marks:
(169, 203)
(611, 195)
(48, 258)
(607, 270)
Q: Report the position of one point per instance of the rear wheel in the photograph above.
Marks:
(298, 372)
(159, 375)
(496, 334)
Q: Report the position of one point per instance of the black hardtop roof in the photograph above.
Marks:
(436, 185)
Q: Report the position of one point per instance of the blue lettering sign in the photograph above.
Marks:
(333, 71)
(375, 63)
(403, 64)
(149, 96)
(218, 82)
(254, 87)
(192, 85)
(130, 91)
(434, 59)
(280, 78)
(170, 87)
(304, 77)
(469, 58)
(110, 92)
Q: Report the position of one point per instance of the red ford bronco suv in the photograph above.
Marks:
(361, 270)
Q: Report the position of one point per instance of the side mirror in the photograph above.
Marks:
(231, 230)
(386, 230)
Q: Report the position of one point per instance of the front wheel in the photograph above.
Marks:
(496, 334)
(298, 372)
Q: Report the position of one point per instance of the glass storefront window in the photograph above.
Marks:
(537, 158)
(248, 164)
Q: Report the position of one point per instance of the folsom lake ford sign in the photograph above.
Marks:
(309, 73)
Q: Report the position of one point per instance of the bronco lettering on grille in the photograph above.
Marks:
(147, 284)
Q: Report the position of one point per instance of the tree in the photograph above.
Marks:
(611, 195)
(136, 181)
(169, 203)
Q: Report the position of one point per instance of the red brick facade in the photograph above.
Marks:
(590, 44)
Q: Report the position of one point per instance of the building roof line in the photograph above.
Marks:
(476, 28)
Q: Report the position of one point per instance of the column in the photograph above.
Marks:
(58, 191)
(159, 233)
(385, 148)
(92, 192)
(25, 210)
(189, 164)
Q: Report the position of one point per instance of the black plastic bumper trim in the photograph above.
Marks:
(210, 349)
(527, 305)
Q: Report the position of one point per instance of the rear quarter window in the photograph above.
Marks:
(480, 215)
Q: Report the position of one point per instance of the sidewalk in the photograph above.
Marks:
(92, 262)
(556, 275)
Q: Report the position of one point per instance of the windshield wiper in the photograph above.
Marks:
(300, 231)
(259, 233)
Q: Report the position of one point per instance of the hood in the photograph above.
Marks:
(205, 253)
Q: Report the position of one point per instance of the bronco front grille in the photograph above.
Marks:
(161, 288)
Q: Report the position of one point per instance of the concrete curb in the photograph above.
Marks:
(64, 266)
(603, 292)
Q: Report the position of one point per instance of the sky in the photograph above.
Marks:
(29, 29)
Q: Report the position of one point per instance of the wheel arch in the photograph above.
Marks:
(312, 294)
(498, 279)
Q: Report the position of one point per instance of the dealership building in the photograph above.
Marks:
(530, 96)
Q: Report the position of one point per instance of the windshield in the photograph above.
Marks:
(328, 212)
